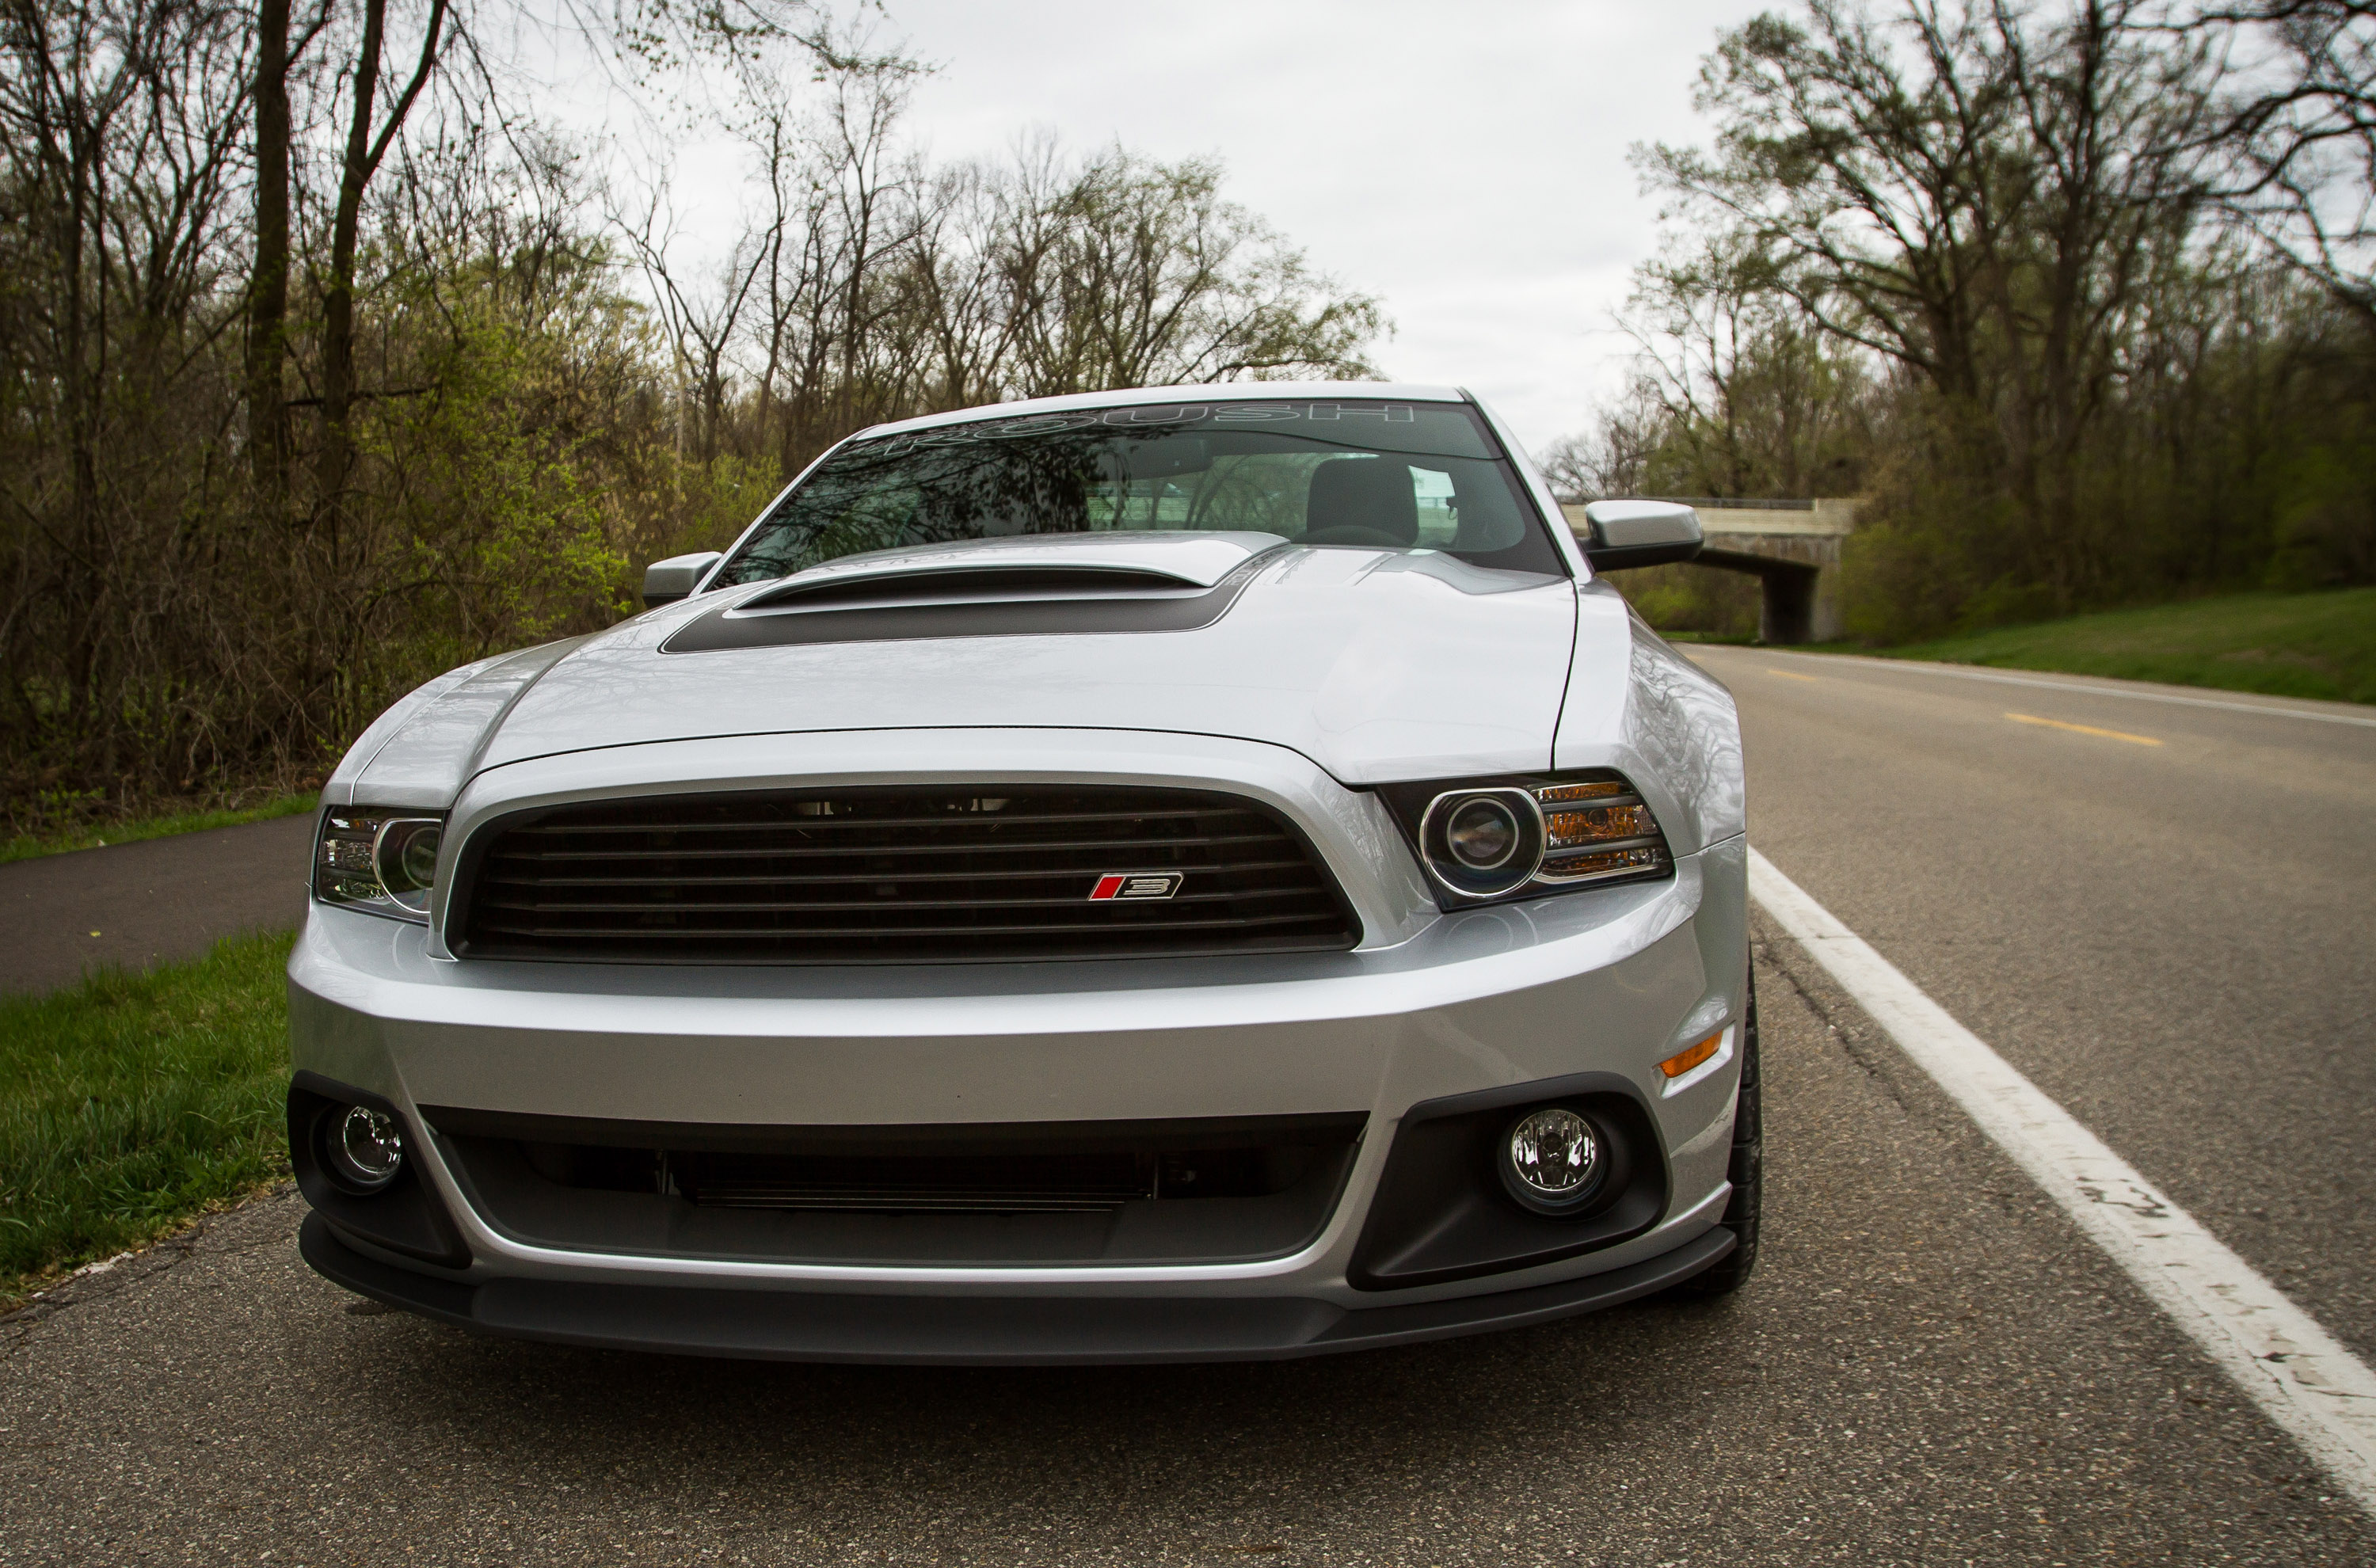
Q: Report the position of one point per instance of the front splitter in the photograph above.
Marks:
(971, 1330)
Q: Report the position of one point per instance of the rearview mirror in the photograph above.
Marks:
(667, 581)
(1640, 533)
(1169, 456)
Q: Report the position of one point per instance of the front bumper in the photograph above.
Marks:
(1601, 984)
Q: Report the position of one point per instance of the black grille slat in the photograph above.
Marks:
(741, 852)
(880, 874)
(1041, 929)
(822, 824)
(830, 906)
(1036, 928)
(812, 878)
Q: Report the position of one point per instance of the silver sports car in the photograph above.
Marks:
(1198, 873)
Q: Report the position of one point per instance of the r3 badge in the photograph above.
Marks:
(1136, 884)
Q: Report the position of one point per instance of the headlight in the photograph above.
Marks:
(1488, 839)
(384, 861)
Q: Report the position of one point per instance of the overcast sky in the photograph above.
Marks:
(1466, 163)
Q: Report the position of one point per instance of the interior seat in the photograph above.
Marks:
(1370, 493)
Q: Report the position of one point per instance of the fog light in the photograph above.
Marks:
(1551, 1160)
(367, 1149)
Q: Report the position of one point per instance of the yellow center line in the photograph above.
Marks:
(1791, 674)
(2085, 730)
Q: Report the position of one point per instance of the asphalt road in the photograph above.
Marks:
(1932, 1366)
(2159, 911)
(133, 905)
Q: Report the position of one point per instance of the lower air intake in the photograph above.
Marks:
(947, 874)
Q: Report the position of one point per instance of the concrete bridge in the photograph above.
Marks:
(1792, 547)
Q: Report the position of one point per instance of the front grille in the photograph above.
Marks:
(1025, 1185)
(1050, 1182)
(946, 875)
(1054, 1193)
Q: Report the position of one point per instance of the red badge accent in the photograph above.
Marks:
(1136, 884)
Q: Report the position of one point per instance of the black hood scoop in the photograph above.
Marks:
(1038, 600)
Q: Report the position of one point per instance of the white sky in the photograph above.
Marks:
(1466, 163)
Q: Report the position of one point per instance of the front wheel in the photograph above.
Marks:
(1747, 1173)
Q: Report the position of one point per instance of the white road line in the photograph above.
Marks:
(1912, 667)
(2294, 1371)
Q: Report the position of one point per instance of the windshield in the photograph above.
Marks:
(1361, 472)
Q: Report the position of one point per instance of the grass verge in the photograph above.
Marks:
(131, 1103)
(1714, 638)
(25, 847)
(2287, 644)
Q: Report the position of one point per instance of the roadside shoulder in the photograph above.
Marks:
(2100, 686)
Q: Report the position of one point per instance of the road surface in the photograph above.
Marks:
(157, 900)
(1932, 1365)
(2163, 913)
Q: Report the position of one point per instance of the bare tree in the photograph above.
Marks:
(119, 126)
(324, 367)
(703, 321)
(2300, 120)
(1981, 195)
(277, 56)
(368, 139)
(1126, 272)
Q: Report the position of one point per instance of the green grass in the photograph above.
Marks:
(131, 1103)
(2292, 645)
(25, 847)
(1714, 638)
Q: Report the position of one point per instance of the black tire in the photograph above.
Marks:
(1747, 1173)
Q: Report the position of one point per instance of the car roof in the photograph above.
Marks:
(1211, 392)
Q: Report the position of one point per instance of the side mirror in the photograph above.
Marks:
(667, 581)
(1640, 533)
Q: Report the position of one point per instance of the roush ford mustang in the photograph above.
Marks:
(1189, 873)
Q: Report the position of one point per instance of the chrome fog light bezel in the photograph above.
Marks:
(360, 1128)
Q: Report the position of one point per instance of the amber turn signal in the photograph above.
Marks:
(1683, 1062)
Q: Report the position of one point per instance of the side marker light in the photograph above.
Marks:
(1683, 1062)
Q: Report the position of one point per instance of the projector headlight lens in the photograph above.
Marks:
(381, 861)
(1482, 843)
(406, 855)
(1482, 832)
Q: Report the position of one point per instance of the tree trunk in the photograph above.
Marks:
(339, 299)
(363, 154)
(267, 308)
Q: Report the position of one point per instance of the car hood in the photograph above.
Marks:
(1378, 665)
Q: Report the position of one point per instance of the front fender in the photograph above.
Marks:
(1635, 705)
